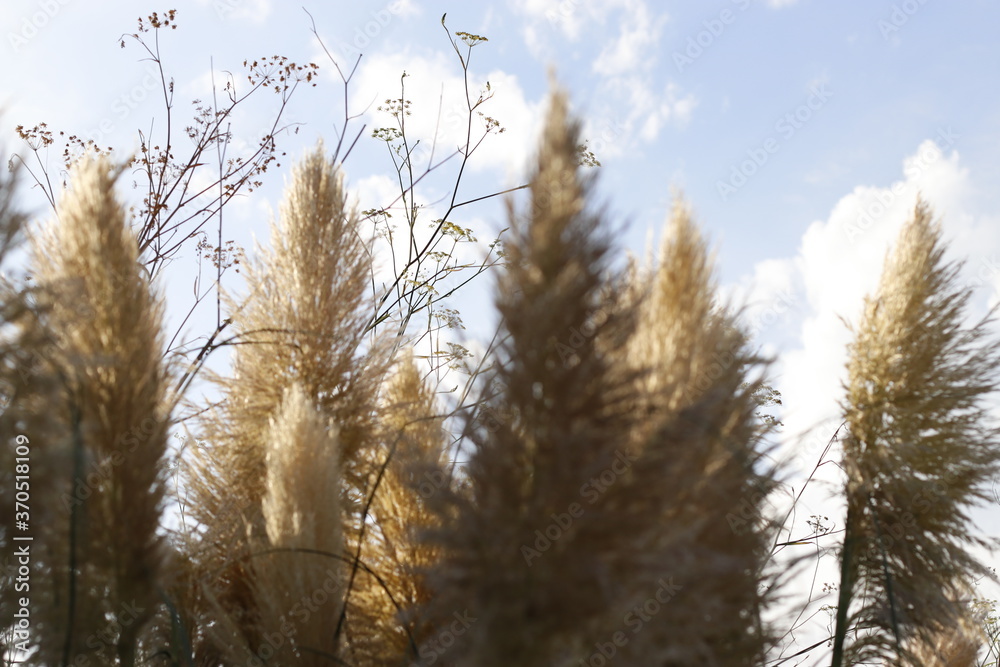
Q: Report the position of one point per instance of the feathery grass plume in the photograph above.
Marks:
(957, 646)
(920, 449)
(105, 325)
(415, 449)
(679, 326)
(699, 431)
(301, 323)
(300, 559)
(530, 554)
(12, 219)
(29, 388)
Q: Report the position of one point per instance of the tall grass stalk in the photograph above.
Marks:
(920, 451)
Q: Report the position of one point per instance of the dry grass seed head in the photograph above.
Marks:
(920, 449)
(106, 325)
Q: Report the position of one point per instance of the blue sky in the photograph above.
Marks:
(768, 114)
(800, 131)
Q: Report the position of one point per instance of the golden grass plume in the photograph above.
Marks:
(568, 521)
(105, 326)
(920, 452)
(302, 323)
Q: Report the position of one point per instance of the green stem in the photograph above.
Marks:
(846, 588)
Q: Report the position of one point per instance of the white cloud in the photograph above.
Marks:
(840, 260)
(772, 279)
(634, 105)
(547, 16)
(668, 107)
(434, 84)
(382, 192)
(626, 66)
(635, 47)
(404, 8)
(637, 111)
(379, 191)
(573, 20)
(255, 11)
